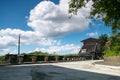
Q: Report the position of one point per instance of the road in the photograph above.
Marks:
(80, 70)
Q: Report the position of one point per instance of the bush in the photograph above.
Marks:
(2, 58)
(110, 53)
(112, 47)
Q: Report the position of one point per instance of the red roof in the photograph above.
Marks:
(90, 39)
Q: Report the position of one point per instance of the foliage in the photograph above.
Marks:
(2, 58)
(71, 55)
(39, 53)
(102, 41)
(108, 10)
(34, 57)
(109, 53)
(112, 48)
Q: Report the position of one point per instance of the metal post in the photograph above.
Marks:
(19, 45)
(18, 57)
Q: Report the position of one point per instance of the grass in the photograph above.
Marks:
(111, 53)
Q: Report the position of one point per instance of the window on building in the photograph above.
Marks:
(83, 51)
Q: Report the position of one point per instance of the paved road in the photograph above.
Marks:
(81, 70)
(15, 73)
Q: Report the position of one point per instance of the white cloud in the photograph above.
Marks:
(52, 19)
(61, 49)
(4, 51)
(9, 37)
(92, 34)
(48, 20)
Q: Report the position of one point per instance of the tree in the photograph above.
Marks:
(112, 48)
(108, 10)
(102, 41)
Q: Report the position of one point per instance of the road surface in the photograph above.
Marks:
(80, 70)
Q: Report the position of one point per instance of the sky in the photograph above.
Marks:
(44, 25)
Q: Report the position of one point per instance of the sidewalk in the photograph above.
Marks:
(101, 62)
(103, 65)
(91, 66)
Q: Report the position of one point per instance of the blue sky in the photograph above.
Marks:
(45, 26)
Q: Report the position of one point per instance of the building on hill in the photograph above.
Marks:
(90, 48)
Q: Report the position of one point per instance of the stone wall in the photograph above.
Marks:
(112, 59)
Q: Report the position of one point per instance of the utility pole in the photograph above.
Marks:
(20, 58)
(19, 45)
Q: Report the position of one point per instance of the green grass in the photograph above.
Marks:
(111, 53)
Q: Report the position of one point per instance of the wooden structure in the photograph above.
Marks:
(90, 48)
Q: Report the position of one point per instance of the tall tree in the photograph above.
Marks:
(102, 41)
(108, 10)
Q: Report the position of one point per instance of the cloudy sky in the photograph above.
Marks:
(45, 26)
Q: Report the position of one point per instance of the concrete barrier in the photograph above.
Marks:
(112, 59)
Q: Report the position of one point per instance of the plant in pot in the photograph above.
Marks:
(64, 58)
(56, 58)
(34, 57)
(46, 58)
(20, 59)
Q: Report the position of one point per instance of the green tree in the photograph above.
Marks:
(112, 48)
(102, 41)
(108, 10)
(2, 58)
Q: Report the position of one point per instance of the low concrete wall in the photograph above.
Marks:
(112, 59)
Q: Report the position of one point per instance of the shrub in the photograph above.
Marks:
(2, 58)
(112, 47)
